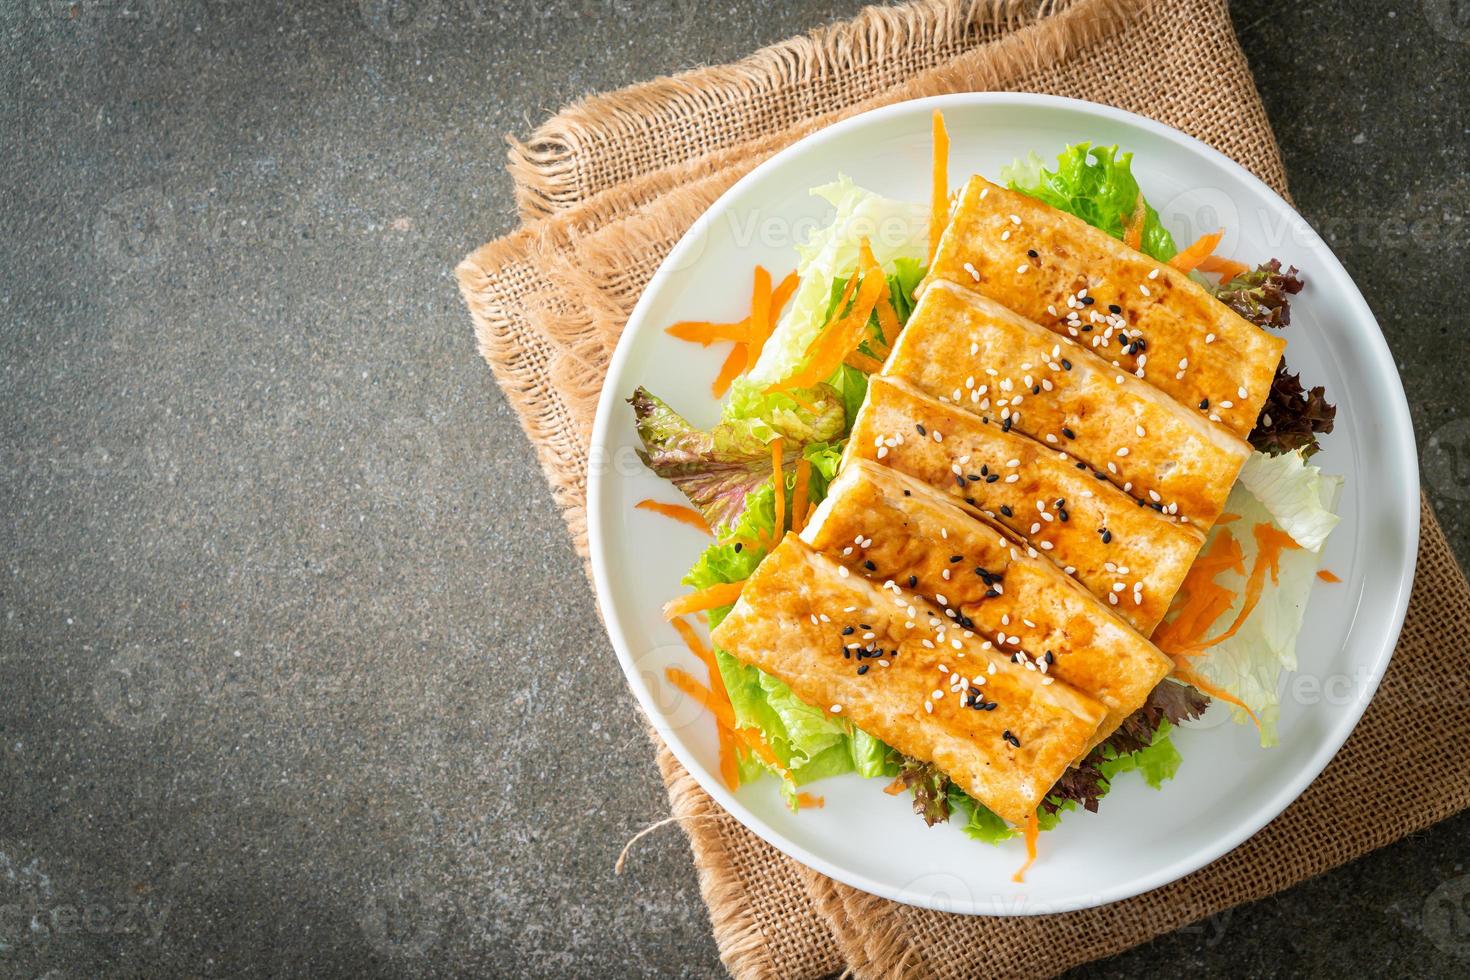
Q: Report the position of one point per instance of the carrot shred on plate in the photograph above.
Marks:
(678, 512)
(865, 363)
(760, 316)
(895, 787)
(1226, 269)
(1192, 256)
(1226, 517)
(706, 333)
(939, 187)
(730, 370)
(729, 760)
(1133, 232)
(1031, 829)
(1327, 576)
(799, 494)
(806, 801)
(782, 295)
(1197, 682)
(721, 594)
(724, 718)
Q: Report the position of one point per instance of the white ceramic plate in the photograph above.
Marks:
(1227, 788)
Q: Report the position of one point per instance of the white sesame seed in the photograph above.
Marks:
(970, 268)
(1123, 451)
(882, 451)
(1209, 338)
(938, 437)
(1227, 404)
(1143, 289)
(1012, 463)
(842, 571)
(1154, 274)
(1013, 478)
(1020, 269)
(1242, 392)
(983, 192)
(1005, 236)
(1015, 219)
(1139, 430)
(929, 707)
(835, 709)
(1046, 546)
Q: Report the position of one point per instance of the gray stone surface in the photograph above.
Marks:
(298, 674)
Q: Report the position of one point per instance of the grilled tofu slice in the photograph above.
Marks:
(970, 351)
(1131, 557)
(886, 526)
(1083, 283)
(900, 670)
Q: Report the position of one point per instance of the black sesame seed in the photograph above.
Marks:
(1062, 515)
(1114, 308)
(990, 706)
(913, 581)
(1204, 403)
(921, 429)
(1066, 364)
(1050, 658)
(1011, 738)
(971, 501)
(870, 566)
(1081, 466)
(1088, 301)
(862, 669)
(1006, 510)
(992, 478)
(908, 493)
(1107, 537)
(959, 480)
(848, 631)
(1031, 252)
(972, 477)
(1068, 433)
(738, 547)
(991, 593)
(955, 559)
(1087, 328)
(1099, 475)
(1007, 426)
(985, 469)
(1036, 389)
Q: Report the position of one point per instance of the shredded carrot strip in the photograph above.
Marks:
(838, 337)
(806, 801)
(734, 364)
(703, 332)
(760, 316)
(1270, 542)
(783, 295)
(863, 362)
(1327, 576)
(1133, 233)
(1226, 518)
(1227, 269)
(799, 494)
(687, 683)
(778, 477)
(680, 513)
(1031, 827)
(724, 718)
(887, 315)
(721, 594)
(939, 193)
(1196, 681)
(1198, 252)
(895, 787)
(729, 761)
(756, 742)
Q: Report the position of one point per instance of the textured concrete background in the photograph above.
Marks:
(290, 627)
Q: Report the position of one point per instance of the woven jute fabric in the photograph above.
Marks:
(609, 185)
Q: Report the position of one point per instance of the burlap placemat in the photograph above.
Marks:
(609, 185)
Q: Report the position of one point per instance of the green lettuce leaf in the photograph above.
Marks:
(1097, 185)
